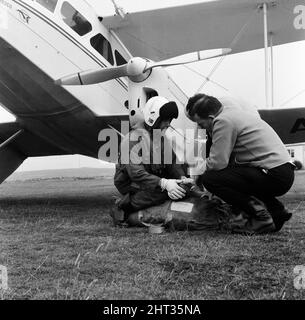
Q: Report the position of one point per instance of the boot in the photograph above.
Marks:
(118, 215)
(260, 220)
(279, 218)
(279, 214)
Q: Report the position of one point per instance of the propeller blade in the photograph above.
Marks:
(136, 68)
(189, 58)
(93, 76)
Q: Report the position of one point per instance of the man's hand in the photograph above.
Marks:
(186, 180)
(174, 191)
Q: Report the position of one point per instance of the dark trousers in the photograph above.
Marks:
(136, 200)
(144, 199)
(235, 185)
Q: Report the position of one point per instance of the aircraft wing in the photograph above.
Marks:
(27, 143)
(289, 123)
(164, 33)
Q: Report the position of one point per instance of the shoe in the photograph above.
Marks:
(260, 220)
(117, 216)
(278, 212)
(279, 218)
(253, 227)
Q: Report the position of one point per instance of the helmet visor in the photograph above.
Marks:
(169, 111)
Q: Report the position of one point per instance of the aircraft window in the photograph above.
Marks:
(75, 20)
(49, 4)
(119, 59)
(291, 152)
(103, 46)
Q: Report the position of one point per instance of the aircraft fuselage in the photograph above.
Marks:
(41, 44)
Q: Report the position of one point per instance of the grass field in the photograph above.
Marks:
(57, 242)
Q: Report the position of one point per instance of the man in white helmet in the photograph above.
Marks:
(145, 181)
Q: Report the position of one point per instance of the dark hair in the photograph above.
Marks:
(192, 100)
(203, 105)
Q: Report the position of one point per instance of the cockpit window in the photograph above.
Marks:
(119, 58)
(103, 46)
(49, 4)
(75, 20)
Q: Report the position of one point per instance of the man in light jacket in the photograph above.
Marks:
(248, 165)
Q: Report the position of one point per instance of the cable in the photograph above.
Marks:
(231, 45)
(292, 98)
(205, 77)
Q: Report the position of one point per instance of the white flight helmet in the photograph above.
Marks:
(151, 110)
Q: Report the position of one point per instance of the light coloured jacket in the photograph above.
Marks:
(242, 138)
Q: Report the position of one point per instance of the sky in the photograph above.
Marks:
(238, 75)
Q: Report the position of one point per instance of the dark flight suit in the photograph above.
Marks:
(139, 183)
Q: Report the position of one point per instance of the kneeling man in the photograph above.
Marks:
(147, 180)
(248, 165)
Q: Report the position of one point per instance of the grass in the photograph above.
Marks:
(57, 242)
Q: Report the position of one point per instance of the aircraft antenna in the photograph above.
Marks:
(119, 10)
